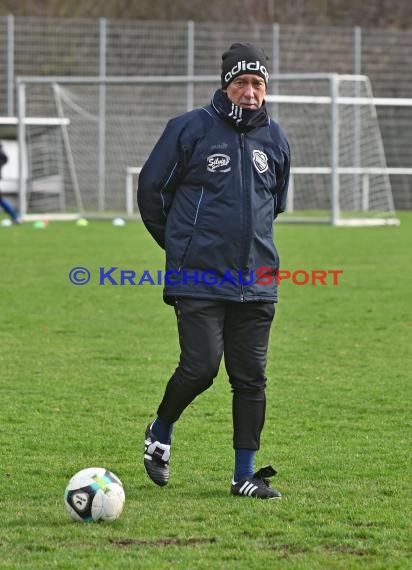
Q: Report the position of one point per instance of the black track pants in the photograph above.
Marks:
(207, 330)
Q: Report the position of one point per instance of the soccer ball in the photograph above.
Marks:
(118, 222)
(94, 494)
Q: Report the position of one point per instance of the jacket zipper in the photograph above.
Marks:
(243, 260)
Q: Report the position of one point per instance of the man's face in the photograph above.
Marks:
(247, 91)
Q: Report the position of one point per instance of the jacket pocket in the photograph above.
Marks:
(196, 223)
(185, 252)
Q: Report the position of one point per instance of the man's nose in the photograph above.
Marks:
(248, 92)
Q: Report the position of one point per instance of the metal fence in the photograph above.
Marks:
(86, 47)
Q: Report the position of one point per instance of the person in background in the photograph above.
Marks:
(208, 194)
(5, 204)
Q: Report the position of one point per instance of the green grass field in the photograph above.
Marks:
(83, 369)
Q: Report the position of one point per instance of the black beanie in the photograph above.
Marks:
(241, 59)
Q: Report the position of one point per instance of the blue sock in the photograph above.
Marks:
(8, 208)
(244, 463)
(162, 430)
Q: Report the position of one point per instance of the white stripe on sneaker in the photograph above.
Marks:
(247, 488)
(243, 488)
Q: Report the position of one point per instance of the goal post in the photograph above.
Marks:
(32, 176)
(108, 126)
(339, 173)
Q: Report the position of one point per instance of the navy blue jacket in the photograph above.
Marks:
(208, 194)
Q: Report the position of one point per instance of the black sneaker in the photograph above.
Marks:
(256, 486)
(156, 458)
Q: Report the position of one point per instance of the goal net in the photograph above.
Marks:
(108, 128)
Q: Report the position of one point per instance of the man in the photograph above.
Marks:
(208, 194)
(7, 207)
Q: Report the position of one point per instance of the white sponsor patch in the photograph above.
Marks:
(260, 160)
(218, 163)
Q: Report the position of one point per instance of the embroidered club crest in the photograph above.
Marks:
(260, 160)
